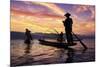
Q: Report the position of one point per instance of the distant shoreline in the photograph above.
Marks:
(21, 35)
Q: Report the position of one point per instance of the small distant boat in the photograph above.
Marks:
(56, 44)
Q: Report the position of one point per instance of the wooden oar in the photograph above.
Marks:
(80, 41)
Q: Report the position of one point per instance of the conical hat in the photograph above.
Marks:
(67, 14)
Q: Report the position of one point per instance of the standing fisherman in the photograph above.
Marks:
(27, 41)
(68, 28)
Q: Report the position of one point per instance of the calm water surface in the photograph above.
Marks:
(40, 54)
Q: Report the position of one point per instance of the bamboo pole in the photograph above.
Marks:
(80, 41)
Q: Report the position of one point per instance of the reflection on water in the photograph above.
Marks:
(40, 54)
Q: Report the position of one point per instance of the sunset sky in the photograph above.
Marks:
(45, 17)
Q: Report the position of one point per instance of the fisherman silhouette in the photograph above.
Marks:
(27, 41)
(68, 28)
(60, 38)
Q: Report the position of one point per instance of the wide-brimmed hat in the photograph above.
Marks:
(28, 30)
(67, 14)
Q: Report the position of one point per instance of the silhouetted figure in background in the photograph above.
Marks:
(60, 37)
(27, 41)
(68, 28)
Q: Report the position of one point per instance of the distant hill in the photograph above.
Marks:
(21, 35)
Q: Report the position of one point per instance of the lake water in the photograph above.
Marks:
(40, 54)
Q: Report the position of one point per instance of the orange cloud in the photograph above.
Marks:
(84, 27)
(20, 21)
(52, 7)
(35, 14)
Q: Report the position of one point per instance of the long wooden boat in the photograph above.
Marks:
(56, 44)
